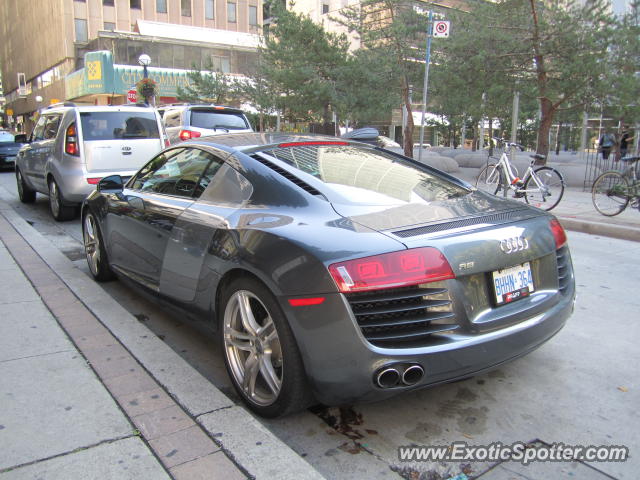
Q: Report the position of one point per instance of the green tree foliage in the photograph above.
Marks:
(624, 73)
(301, 61)
(207, 86)
(257, 91)
(389, 32)
(557, 51)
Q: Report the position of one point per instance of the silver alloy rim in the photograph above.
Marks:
(53, 198)
(19, 182)
(91, 243)
(253, 348)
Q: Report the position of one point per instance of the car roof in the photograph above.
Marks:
(221, 108)
(100, 108)
(255, 140)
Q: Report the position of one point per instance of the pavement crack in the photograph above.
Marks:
(213, 411)
(64, 454)
(36, 356)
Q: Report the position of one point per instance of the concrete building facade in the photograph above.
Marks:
(44, 41)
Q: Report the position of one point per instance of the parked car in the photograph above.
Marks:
(10, 145)
(72, 147)
(185, 122)
(330, 270)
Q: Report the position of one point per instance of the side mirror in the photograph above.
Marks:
(21, 138)
(112, 183)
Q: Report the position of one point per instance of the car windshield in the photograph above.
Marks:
(218, 119)
(6, 137)
(364, 175)
(119, 125)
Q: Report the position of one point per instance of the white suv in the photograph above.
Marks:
(184, 122)
(72, 147)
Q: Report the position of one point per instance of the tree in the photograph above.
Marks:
(300, 61)
(257, 91)
(389, 31)
(207, 86)
(558, 49)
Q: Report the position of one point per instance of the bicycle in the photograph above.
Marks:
(542, 187)
(613, 191)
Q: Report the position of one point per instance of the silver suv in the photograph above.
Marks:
(72, 147)
(184, 122)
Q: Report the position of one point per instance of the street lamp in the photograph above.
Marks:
(145, 61)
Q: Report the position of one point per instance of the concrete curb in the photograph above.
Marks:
(260, 453)
(622, 232)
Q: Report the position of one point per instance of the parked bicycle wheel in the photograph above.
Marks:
(610, 193)
(489, 179)
(547, 191)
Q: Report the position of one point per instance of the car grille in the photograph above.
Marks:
(564, 269)
(404, 317)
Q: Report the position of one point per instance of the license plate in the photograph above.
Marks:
(512, 283)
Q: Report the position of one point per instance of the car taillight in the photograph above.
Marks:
(167, 143)
(188, 134)
(389, 270)
(94, 180)
(71, 141)
(558, 233)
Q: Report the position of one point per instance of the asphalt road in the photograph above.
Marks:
(579, 388)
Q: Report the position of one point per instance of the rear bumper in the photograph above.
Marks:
(75, 187)
(341, 365)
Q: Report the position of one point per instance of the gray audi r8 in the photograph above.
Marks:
(330, 270)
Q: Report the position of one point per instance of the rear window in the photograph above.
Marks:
(218, 119)
(364, 176)
(6, 137)
(119, 125)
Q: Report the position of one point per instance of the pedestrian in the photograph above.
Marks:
(606, 143)
(625, 141)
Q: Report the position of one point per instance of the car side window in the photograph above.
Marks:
(51, 126)
(38, 131)
(172, 119)
(180, 174)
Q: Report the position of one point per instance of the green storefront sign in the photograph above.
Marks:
(101, 76)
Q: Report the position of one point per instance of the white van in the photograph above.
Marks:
(72, 147)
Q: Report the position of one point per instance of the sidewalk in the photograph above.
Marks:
(576, 212)
(87, 392)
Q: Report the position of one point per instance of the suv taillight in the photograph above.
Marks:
(389, 270)
(558, 233)
(188, 134)
(71, 141)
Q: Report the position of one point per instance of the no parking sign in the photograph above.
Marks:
(441, 28)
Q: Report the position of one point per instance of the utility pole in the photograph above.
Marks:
(426, 82)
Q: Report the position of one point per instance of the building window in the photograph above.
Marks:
(208, 9)
(231, 12)
(81, 30)
(161, 6)
(325, 8)
(185, 8)
(135, 4)
(109, 26)
(253, 15)
(107, 3)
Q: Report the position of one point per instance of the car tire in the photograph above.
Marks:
(26, 194)
(94, 249)
(59, 210)
(260, 352)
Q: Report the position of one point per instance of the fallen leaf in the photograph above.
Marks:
(467, 435)
(623, 389)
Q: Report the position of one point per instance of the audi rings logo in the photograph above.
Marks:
(514, 244)
(126, 149)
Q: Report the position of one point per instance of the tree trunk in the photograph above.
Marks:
(474, 144)
(407, 135)
(546, 120)
(559, 129)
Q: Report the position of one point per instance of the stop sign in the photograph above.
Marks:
(132, 95)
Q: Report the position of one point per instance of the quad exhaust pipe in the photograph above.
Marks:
(399, 375)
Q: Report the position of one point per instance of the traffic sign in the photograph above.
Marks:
(441, 28)
(132, 95)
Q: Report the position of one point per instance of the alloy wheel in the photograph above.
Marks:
(253, 349)
(91, 244)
